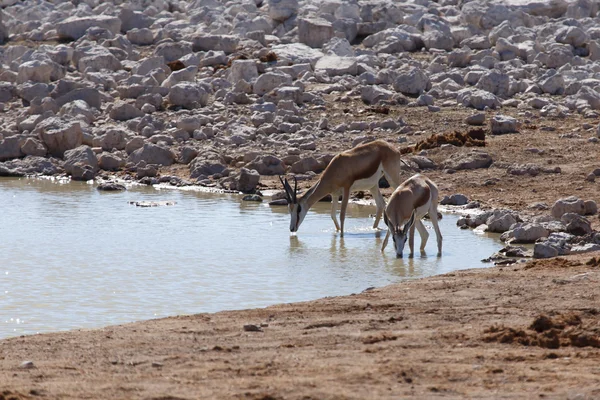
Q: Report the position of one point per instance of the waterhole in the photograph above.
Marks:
(73, 257)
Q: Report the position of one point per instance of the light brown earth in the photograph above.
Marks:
(467, 334)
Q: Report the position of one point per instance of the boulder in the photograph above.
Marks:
(267, 165)
(33, 147)
(122, 111)
(455, 200)
(472, 160)
(335, 65)
(73, 28)
(372, 94)
(81, 163)
(501, 124)
(77, 110)
(110, 162)
(576, 224)
(226, 44)
(243, 70)
(39, 71)
(280, 10)
(112, 138)
(271, 80)
(412, 82)
(10, 147)
(187, 74)
(247, 180)
(478, 99)
(314, 32)
(152, 154)
(188, 95)
(59, 135)
(141, 37)
(569, 204)
(307, 164)
(526, 233)
(500, 221)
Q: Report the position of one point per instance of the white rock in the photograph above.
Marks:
(152, 154)
(527, 233)
(501, 124)
(243, 70)
(122, 111)
(112, 138)
(110, 162)
(39, 71)
(334, 65)
(183, 75)
(270, 80)
(59, 135)
(338, 47)
(81, 163)
(413, 81)
(393, 40)
(172, 51)
(371, 94)
(568, 205)
(314, 32)
(494, 82)
(280, 10)
(188, 95)
(226, 43)
(297, 53)
(141, 37)
(213, 57)
(500, 221)
(75, 27)
(77, 110)
(478, 99)
(552, 83)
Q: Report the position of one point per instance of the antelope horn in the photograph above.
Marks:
(405, 163)
(295, 190)
(287, 188)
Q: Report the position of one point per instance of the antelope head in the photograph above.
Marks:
(297, 207)
(399, 233)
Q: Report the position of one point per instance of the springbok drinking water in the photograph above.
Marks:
(359, 168)
(414, 198)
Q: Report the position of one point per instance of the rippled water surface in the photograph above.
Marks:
(73, 257)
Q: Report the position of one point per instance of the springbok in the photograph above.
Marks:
(359, 168)
(414, 198)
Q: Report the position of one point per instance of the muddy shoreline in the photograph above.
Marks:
(467, 334)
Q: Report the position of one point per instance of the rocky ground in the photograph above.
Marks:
(496, 102)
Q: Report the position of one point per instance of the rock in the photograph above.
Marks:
(591, 207)
(475, 119)
(81, 163)
(280, 10)
(77, 110)
(188, 95)
(32, 147)
(74, 27)
(455, 200)
(122, 111)
(334, 65)
(172, 51)
(412, 82)
(187, 74)
(314, 32)
(243, 70)
(247, 180)
(568, 205)
(111, 187)
(267, 165)
(340, 47)
(141, 37)
(271, 80)
(526, 233)
(576, 224)
(146, 171)
(39, 71)
(252, 197)
(110, 162)
(90, 96)
(59, 135)
(501, 124)
(216, 43)
(112, 138)
(372, 94)
(210, 164)
(500, 221)
(478, 99)
(544, 250)
(585, 248)
(307, 164)
(152, 154)
(472, 160)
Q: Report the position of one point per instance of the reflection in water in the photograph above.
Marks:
(73, 257)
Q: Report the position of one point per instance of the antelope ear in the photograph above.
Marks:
(409, 223)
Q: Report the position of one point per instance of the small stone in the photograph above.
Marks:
(252, 197)
(111, 186)
(27, 365)
(252, 328)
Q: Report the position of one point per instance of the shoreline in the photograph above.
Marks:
(427, 337)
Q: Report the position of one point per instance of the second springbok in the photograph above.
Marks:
(359, 168)
(411, 201)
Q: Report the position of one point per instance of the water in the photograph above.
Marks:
(73, 257)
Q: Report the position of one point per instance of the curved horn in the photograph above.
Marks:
(287, 189)
(407, 164)
(295, 190)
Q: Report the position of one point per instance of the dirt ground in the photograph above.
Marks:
(524, 331)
